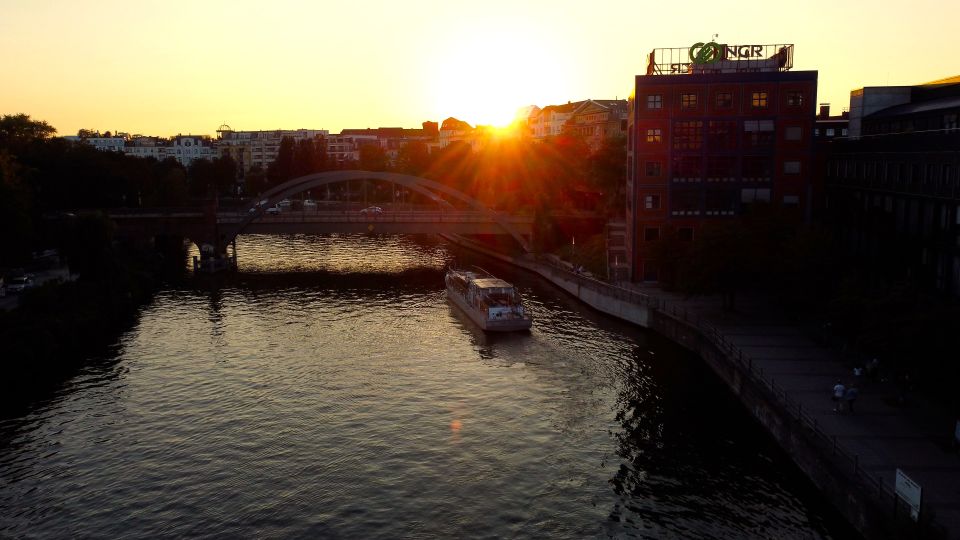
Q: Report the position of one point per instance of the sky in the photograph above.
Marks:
(169, 67)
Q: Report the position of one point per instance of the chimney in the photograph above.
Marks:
(824, 110)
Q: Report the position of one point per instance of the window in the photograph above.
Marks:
(758, 133)
(816, 132)
(757, 168)
(791, 200)
(651, 202)
(688, 135)
(793, 133)
(650, 271)
(653, 168)
(791, 167)
(685, 234)
(794, 99)
(749, 195)
(688, 101)
(655, 101)
(843, 132)
(831, 132)
(721, 135)
(651, 234)
(724, 100)
(758, 100)
(721, 167)
(654, 135)
(687, 168)
(685, 202)
(721, 202)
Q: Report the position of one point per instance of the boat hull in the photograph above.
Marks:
(488, 325)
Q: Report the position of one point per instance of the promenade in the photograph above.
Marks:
(881, 436)
(854, 456)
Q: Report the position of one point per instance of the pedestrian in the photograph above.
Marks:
(850, 396)
(839, 390)
(857, 372)
(873, 369)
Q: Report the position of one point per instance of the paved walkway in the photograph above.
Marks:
(883, 435)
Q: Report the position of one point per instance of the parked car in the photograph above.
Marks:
(19, 284)
(285, 204)
(371, 210)
(309, 204)
(274, 210)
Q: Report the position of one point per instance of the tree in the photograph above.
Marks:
(225, 175)
(255, 182)
(200, 175)
(413, 158)
(373, 158)
(608, 172)
(282, 167)
(15, 219)
(18, 130)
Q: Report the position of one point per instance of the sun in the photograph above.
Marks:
(486, 79)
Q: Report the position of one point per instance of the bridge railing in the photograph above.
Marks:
(352, 216)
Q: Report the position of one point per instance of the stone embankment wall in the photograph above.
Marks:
(862, 503)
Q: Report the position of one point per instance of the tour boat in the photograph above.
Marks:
(492, 303)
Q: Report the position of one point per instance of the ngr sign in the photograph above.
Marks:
(707, 53)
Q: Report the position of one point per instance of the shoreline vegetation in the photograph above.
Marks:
(59, 327)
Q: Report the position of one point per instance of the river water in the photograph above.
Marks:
(329, 390)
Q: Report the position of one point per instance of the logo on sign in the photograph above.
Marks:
(706, 53)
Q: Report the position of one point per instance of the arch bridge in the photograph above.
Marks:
(213, 231)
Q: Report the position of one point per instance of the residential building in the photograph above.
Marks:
(598, 120)
(893, 186)
(550, 120)
(258, 148)
(708, 138)
(830, 127)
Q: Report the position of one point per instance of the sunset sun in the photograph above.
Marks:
(487, 79)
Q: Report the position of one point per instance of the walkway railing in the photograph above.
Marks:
(848, 462)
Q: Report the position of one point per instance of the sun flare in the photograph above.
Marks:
(484, 81)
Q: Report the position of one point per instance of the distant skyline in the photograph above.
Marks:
(183, 67)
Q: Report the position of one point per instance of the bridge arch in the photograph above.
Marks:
(416, 183)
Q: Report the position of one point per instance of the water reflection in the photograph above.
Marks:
(359, 403)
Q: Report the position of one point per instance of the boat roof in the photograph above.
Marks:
(492, 283)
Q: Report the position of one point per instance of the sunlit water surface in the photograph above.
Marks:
(329, 390)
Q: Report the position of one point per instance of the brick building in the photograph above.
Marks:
(711, 136)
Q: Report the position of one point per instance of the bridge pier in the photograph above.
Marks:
(213, 260)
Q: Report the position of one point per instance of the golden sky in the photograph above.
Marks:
(168, 67)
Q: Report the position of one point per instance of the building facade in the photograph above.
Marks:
(893, 186)
(706, 140)
(598, 120)
(258, 148)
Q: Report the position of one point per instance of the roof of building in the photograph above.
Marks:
(453, 124)
(569, 107)
(949, 102)
(948, 80)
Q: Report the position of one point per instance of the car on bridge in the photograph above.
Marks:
(20, 283)
(371, 211)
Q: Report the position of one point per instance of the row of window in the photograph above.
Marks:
(722, 134)
(713, 202)
(890, 171)
(724, 100)
(750, 167)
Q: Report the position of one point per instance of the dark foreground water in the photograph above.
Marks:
(330, 391)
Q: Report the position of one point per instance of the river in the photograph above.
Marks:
(329, 390)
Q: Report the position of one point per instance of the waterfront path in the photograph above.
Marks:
(869, 445)
(880, 436)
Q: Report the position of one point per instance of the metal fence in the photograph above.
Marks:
(847, 463)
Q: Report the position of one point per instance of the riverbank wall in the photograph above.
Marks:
(865, 503)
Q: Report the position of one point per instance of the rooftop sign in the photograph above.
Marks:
(713, 57)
